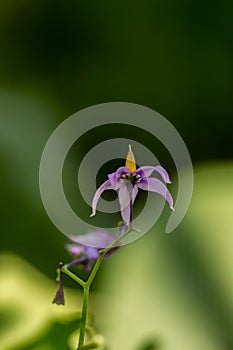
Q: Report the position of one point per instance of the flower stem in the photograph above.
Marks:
(86, 285)
(73, 276)
(86, 297)
(111, 245)
(84, 316)
(131, 214)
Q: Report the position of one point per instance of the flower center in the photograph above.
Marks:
(132, 177)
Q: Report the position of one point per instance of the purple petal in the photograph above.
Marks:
(146, 171)
(105, 186)
(163, 173)
(96, 239)
(78, 250)
(125, 197)
(115, 178)
(122, 170)
(92, 253)
(155, 185)
(75, 249)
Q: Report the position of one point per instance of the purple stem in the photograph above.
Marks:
(131, 214)
(77, 261)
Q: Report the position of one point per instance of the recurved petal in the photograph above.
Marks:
(155, 185)
(113, 180)
(125, 196)
(105, 186)
(146, 171)
(163, 172)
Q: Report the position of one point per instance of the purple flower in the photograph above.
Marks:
(127, 180)
(59, 297)
(86, 251)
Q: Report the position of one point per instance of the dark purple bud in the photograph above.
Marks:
(59, 297)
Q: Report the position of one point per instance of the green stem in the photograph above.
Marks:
(86, 285)
(86, 297)
(73, 276)
(84, 316)
(96, 268)
(111, 245)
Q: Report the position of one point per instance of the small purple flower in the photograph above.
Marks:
(86, 251)
(127, 180)
(59, 297)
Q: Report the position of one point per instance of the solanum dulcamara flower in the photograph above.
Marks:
(127, 179)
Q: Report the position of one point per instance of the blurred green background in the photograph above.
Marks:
(173, 56)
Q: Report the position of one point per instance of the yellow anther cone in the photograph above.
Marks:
(130, 160)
